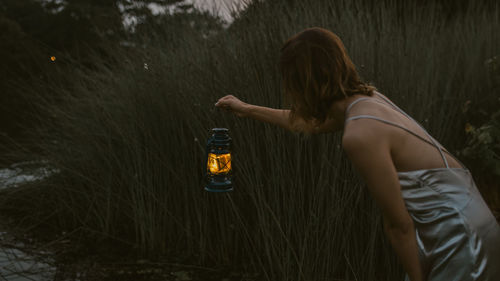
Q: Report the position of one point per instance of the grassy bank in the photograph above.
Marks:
(129, 140)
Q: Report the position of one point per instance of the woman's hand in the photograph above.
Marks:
(233, 104)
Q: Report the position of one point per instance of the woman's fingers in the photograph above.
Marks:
(221, 101)
(232, 104)
(224, 101)
(220, 104)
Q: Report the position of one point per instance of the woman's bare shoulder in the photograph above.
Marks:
(368, 130)
(365, 132)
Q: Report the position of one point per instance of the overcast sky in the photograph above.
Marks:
(224, 6)
(219, 7)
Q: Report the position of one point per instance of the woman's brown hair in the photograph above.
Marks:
(316, 71)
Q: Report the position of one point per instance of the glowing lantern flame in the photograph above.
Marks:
(219, 171)
(219, 163)
(52, 58)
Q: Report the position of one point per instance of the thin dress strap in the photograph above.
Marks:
(390, 123)
(433, 141)
(353, 103)
(422, 127)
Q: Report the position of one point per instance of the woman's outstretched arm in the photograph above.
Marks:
(274, 116)
(368, 148)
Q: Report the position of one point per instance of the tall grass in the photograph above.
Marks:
(130, 141)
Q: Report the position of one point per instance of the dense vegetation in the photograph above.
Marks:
(128, 133)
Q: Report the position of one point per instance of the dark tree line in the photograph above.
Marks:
(31, 31)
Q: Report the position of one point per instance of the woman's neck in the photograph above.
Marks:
(338, 110)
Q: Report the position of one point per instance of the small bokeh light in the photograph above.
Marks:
(52, 58)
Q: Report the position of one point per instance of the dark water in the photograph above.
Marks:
(16, 264)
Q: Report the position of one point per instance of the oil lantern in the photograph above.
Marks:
(219, 171)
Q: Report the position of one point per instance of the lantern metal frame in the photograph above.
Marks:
(219, 144)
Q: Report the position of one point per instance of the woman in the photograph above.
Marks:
(436, 220)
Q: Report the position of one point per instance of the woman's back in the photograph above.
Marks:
(458, 238)
(408, 152)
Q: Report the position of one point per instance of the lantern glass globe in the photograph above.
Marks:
(219, 163)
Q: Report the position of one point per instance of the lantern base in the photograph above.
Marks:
(219, 186)
(219, 183)
(218, 190)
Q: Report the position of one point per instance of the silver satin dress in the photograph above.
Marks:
(457, 235)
